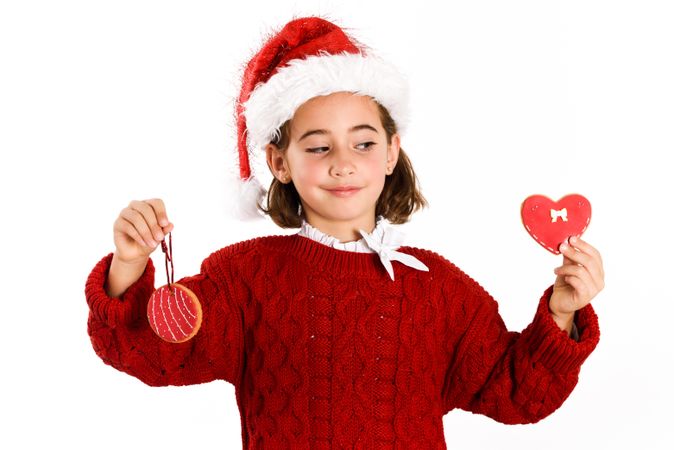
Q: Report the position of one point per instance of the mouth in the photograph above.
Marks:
(344, 191)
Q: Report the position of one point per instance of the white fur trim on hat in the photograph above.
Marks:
(250, 194)
(272, 103)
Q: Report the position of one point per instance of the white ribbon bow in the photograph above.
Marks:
(390, 241)
(555, 214)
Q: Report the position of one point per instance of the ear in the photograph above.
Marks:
(392, 152)
(277, 163)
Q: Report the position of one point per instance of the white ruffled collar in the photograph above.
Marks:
(360, 245)
(383, 240)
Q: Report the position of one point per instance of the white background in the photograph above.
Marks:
(105, 102)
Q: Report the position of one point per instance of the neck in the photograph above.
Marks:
(344, 231)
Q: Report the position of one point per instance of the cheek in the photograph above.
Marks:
(306, 171)
(376, 168)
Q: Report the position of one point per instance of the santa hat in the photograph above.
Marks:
(309, 57)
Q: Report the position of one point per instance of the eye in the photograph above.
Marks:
(324, 149)
(369, 144)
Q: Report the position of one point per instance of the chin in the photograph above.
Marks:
(343, 215)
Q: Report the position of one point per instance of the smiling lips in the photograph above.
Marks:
(344, 191)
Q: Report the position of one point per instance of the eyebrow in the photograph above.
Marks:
(363, 126)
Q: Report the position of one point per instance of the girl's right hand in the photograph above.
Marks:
(139, 230)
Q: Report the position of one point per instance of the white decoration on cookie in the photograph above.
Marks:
(555, 214)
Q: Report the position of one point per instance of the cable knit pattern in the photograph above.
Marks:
(327, 352)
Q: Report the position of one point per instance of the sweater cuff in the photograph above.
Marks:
(129, 306)
(552, 346)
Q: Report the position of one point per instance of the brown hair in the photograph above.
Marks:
(399, 198)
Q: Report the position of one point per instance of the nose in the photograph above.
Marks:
(342, 164)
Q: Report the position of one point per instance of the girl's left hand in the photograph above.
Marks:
(579, 279)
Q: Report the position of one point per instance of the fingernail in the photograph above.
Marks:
(163, 222)
(573, 239)
(563, 246)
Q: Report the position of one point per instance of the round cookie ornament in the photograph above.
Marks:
(551, 222)
(174, 311)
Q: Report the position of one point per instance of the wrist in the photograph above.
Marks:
(119, 261)
(564, 321)
(121, 275)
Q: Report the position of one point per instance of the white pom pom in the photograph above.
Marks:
(250, 194)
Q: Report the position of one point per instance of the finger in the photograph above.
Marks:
(582, 275)
(582, 291)
(584, 259)
(129, 229)
(573, 254)
(574, 270)
(160, 211)
(150, 218)
(139, 221)
(588, 256)
(582, 245)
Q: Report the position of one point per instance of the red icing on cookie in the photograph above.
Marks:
(550, 223)
(174, 314)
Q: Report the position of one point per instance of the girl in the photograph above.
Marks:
(337, 336)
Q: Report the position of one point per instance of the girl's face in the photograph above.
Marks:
(337, 158)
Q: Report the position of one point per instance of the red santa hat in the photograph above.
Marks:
(309, 57)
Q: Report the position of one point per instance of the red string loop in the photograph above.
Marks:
(168, 258)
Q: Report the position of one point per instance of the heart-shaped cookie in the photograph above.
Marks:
(174, 314)
(550, 223)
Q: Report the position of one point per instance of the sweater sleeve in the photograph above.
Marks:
(121, 335)
(514, 378)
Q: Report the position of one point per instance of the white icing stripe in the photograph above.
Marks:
(154, 314)
(181, 311)
(165, 320)
(188, 311)
(180, 292)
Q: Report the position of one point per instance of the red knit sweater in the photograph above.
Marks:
(326, 351)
